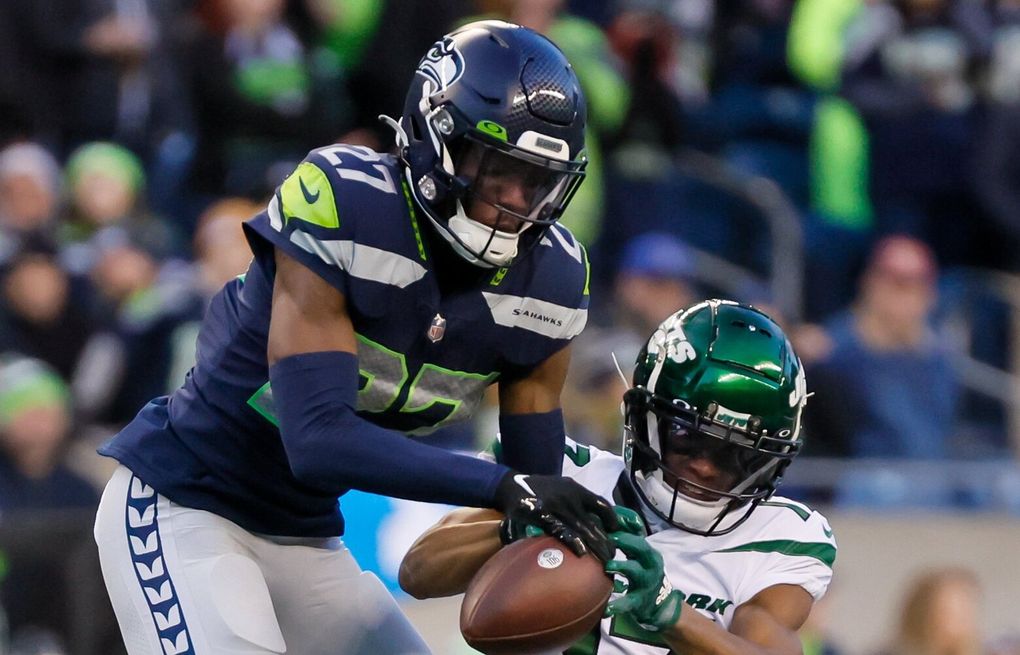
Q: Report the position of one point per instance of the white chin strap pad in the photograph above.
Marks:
(484, 244)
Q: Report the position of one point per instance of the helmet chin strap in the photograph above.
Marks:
(482, 245)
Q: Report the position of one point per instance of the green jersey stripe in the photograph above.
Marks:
(824, 553)
(797, 509)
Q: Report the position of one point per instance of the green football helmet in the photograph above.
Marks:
(713, 418)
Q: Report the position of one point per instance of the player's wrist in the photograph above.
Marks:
(508, 492)
(665, 610)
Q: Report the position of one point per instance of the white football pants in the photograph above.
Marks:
(186, 581)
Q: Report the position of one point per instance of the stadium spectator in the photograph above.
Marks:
(220, 250)
(29, 195)
(887, 388)
(43, 310)
(220, 254)
(910, 70)
(106, 184)
(940, 615)
(654, 277)
(106, 59)
(147, 301)
(253, 99)
(839, 221)
(759, 110)
(35, 423)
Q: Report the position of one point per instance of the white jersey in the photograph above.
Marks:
(782, 542)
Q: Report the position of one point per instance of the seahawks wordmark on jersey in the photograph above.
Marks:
(783, 542)
(346, 214)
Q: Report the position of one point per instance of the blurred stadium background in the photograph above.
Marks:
(852, 166)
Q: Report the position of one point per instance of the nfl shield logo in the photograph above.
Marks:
(437, 329)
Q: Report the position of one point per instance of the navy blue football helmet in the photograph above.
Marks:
(492, 139)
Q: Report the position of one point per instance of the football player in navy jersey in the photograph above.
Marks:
(385, 294)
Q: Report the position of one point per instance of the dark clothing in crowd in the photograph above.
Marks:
(898, 404)
(59, 344)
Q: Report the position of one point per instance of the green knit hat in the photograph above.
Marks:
(107, 158)
(27, 383)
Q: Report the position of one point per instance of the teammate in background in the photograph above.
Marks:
(385, 294)
(715, 562)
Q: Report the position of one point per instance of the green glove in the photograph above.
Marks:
(630, 520)
(649, 597)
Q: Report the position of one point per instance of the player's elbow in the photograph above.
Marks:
(414, 574)
(312, 471)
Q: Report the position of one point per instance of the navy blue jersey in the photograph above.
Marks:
(428, 343)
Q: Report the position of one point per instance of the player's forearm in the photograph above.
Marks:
(331, 448)
(696, 634)
(445, 558)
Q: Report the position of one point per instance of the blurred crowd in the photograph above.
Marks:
(851, 166)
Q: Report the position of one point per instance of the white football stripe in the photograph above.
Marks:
(540, 316)
(363, 261)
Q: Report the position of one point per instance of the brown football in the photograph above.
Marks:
(533, 596)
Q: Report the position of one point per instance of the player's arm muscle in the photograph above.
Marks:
(530, 418)
(314, 373)
(540, 390)
(445, 558)
(308, 314)
(765, 625)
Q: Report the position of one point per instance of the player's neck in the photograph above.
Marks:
(453, 273)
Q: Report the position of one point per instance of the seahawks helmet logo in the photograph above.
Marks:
(442, 64)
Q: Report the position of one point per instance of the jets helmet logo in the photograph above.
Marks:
(669, 341)
(442, 64)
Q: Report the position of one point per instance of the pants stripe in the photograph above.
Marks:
(140, 521)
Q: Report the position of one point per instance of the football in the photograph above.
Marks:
(533, 596)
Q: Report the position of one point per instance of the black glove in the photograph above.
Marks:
(511, 531)
(562, 508)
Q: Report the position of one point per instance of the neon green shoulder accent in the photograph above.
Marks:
(307, 196)
(414, 220)
(587, 268)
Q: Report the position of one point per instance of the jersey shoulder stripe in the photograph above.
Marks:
(316, 213)
(546, 318)
(784, 527)
(547, 291)
(823, 552)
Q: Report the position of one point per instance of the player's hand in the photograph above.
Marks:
(630, 521)
(649, 596)
(510, 531)
(562, 508)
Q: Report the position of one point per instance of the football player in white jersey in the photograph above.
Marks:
(713, 562)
